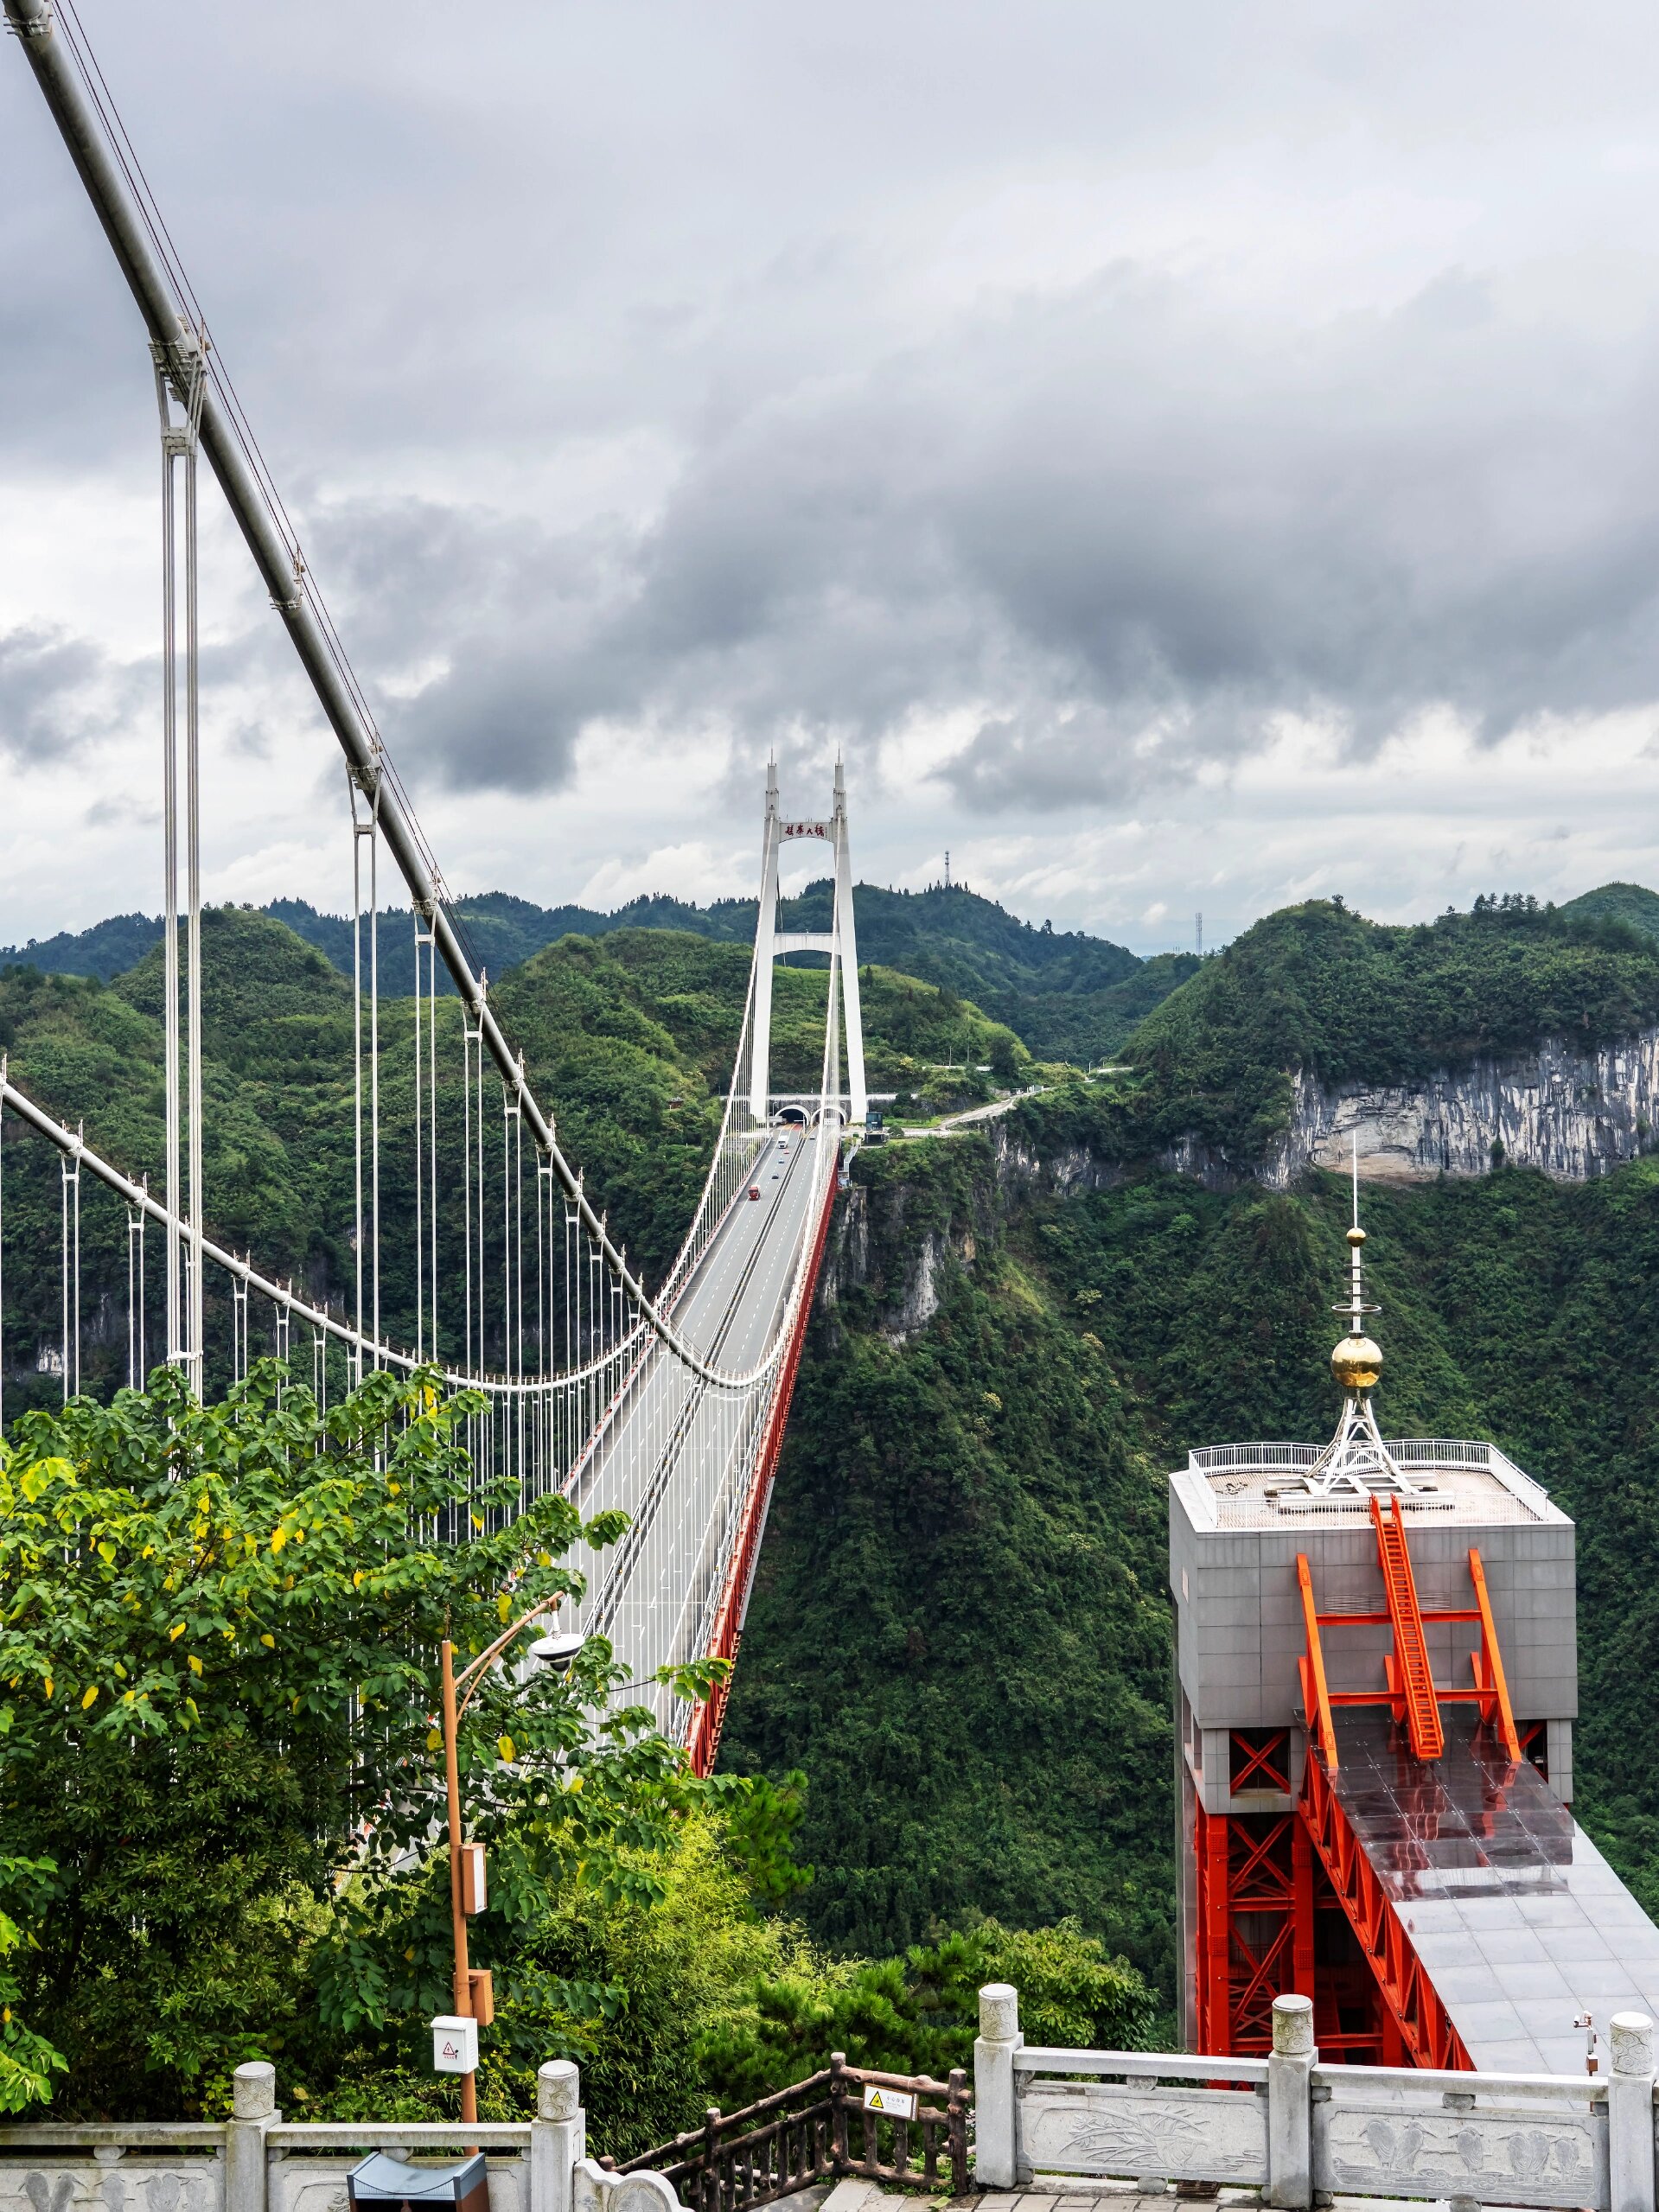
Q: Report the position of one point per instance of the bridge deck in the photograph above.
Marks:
(664, 1460)
(1518, 1918)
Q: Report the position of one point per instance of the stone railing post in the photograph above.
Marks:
(996, 2156)
(253, 2109)
(1290, 2104)
(559, 2137)
(1630, 2112)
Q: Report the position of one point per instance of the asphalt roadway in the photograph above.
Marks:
(672, 1462)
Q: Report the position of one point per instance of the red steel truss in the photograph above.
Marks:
(1254, 1934)
(1287, 1900)
(1255, 1924)
(1414, 2005)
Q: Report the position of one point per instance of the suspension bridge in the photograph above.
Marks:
(668, 1406)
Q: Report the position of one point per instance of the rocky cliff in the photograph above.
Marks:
(1572, 1113)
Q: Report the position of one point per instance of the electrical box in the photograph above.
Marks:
(475, 1893)
(455, 2044)
(483, 1996)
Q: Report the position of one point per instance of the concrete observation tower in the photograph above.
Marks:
(1377, 1679)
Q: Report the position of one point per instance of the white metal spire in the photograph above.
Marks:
(1356, 1463)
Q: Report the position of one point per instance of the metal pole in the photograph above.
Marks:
(420, 1170)
(2, 1250)
(193, 885)
(170, 1164)
(462, 1983)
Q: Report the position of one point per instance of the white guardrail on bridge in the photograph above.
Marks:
(1302, 2133)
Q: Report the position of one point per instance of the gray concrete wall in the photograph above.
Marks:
(1239, 1625)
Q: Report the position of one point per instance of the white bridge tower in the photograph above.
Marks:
(840, 943)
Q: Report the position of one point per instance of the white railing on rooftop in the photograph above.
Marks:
(1416, 1455)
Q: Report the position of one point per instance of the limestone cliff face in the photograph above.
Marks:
(1569, 1112)
(1572, 1113)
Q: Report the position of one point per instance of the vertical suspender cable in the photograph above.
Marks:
(2, 1249)
(478, 1138)
(192, 876)
(170, 1169)
(420, 1175)
(517, 1291)
(468, 1358)
(431, 1107)
(74, 1231)
(71, 1254)
(507, 1238)
(133, 1221)
(64, 1321)
(374, 1056)
(357, 832)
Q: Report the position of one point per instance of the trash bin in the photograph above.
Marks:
(383, 2181)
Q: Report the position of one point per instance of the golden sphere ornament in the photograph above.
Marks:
(1356, 1363)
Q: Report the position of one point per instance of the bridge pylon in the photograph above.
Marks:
(839, 942)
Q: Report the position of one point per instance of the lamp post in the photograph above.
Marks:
(457, 1694)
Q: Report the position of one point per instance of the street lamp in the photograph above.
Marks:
(558, 1650)
(466, 1891)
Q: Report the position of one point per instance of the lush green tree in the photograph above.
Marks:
(919, 2013)
(218, 1632)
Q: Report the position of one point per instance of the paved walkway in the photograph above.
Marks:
(1049, 2193)
(1070, 2193)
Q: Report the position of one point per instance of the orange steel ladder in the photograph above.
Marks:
(1405, 1617)
(1408, 1663)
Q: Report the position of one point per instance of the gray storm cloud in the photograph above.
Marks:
(1098, 386)
(60, 692)
(1123, 529)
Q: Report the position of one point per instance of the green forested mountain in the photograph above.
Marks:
(959, 1630)
(961, 1626)
(1317, 988)
(1067, 996)
(1632, 904)
(629, 1036)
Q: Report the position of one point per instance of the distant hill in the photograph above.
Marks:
(1632, 904)
(1319, 988)
(107, 949)
(1066, 995)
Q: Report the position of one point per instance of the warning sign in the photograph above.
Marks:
(897, 2104)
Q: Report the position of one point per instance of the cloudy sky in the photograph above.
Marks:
(1186, 459)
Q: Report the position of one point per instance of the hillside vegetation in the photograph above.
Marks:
(960, 1627)
(960, 1630)
(1319, 990)
(1067, 995)
(629, 1038)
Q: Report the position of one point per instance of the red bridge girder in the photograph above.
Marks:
(703, 1745)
